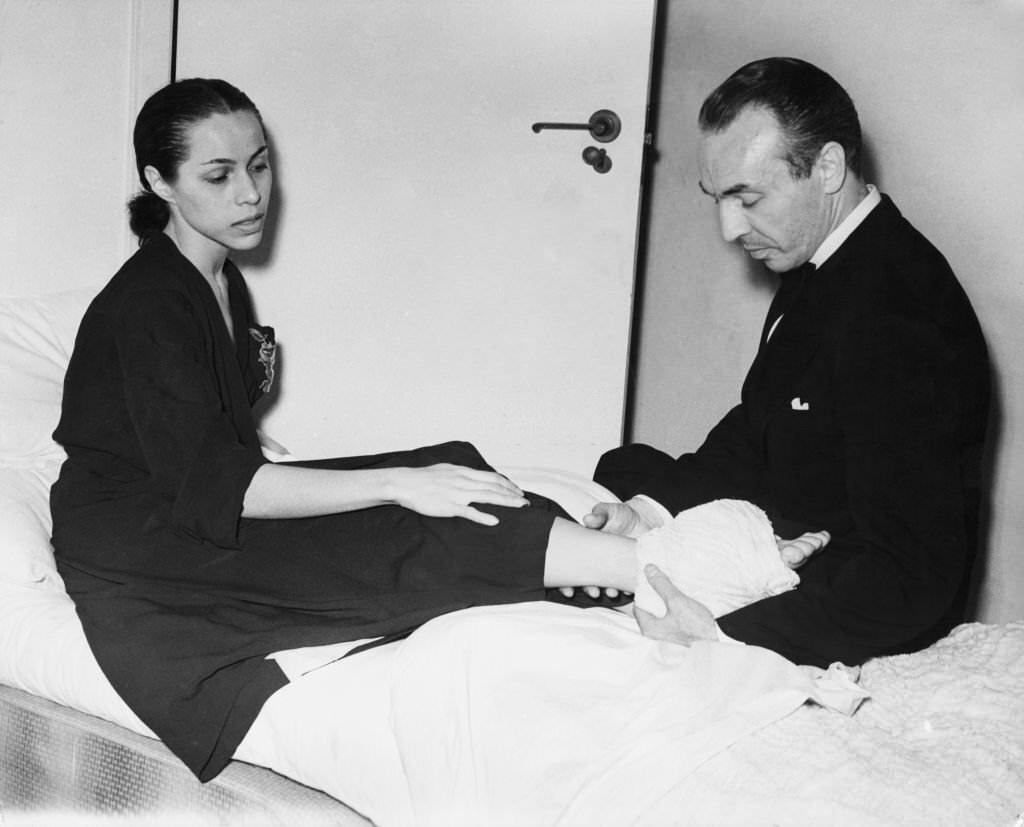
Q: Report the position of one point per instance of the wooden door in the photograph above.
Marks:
(436, 268)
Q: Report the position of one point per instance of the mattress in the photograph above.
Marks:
(533, 714)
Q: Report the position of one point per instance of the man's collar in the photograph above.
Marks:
(835, 238)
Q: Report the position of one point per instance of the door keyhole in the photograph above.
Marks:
(597, 158)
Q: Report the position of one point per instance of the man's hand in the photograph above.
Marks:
(614, 518)
(795, 553)
(685, 620)
(593, 592)
(617, 518)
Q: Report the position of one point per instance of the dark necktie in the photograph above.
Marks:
(790, 285)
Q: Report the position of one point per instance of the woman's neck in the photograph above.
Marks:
(207, 256)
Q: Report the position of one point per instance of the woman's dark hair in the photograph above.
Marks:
(810, 106)
(161, 139)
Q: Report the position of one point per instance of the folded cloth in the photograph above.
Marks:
(540, 714)
(722, 554)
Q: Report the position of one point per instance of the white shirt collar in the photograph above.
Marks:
(835, 238)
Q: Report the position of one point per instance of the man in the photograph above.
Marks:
(864, 410)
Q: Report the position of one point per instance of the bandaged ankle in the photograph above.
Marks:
(722, 554)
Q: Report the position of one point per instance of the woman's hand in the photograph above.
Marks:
(446, 490)
(795, 553)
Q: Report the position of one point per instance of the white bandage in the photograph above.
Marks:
(722, 554)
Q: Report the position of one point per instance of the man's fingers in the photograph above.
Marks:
(601, 516)
(644, 618)
(795, 552)
(657, 628)
(791, 556)
(615, 518)
(648, 623)
(660, 583)
(593, 592)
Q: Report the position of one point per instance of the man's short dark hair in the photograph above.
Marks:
(810, 106)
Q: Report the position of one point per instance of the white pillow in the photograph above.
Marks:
(37, 334)
(576, 493)
(36, 337)
(26, 556)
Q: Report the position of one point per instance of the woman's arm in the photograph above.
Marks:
(272, 449)
(442, 490)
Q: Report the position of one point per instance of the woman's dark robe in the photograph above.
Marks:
(180, 597)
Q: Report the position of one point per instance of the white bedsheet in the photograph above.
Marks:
(530, 714)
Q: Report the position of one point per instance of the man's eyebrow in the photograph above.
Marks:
(735, 189)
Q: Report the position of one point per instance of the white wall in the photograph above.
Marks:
(409, 307)
(72, 76)
(940, 88)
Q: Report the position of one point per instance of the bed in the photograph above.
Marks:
(521, 715)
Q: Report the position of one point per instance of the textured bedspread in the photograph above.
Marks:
(940, 742)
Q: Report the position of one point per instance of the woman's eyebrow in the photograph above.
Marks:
(232, 161)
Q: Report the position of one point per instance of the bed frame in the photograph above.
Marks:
(57, 763)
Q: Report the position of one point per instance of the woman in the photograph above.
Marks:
(189, 556)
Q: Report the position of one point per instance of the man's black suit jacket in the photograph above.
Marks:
(864, 414)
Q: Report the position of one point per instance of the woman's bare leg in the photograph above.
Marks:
(578, 556)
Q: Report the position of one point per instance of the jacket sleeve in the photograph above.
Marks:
(727, 464)
(895, 574)
(179, 407)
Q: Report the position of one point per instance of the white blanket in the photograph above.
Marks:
(530, 714)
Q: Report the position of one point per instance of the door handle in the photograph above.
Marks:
(604, 126)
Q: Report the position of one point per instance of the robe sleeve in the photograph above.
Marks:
(180, 408)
